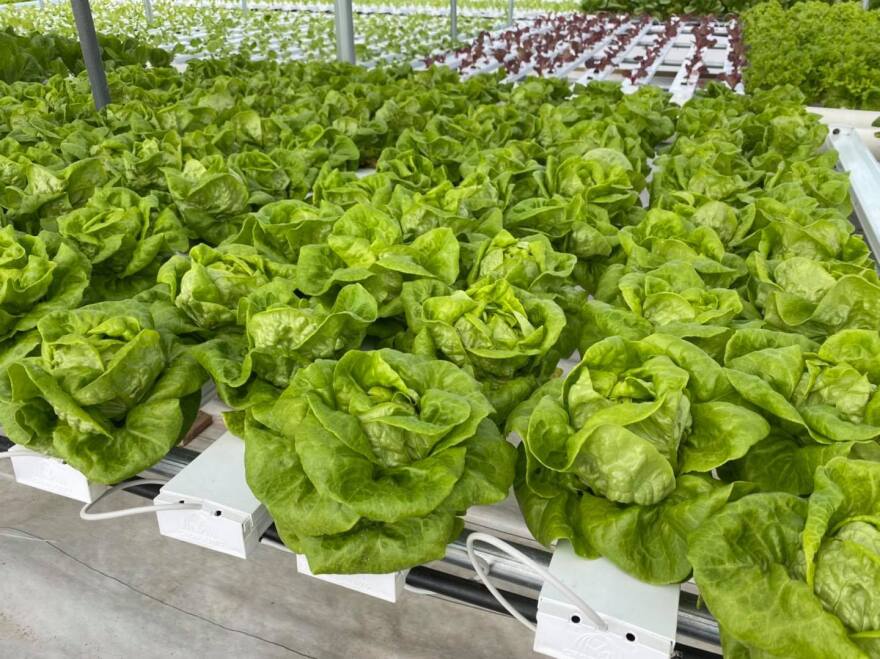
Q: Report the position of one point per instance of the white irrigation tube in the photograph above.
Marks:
(480, 567)
(87, 515)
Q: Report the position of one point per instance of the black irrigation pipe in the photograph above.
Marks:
(449, 585)
(471, 592)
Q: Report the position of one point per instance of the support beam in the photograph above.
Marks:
(88, 41)
(510, 12)
(244, 5)
(148, 10)
(344, 31)
(453, 19)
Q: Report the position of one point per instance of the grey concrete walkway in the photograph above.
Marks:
(118, 589)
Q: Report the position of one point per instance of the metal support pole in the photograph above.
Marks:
(88, 42)
(453, 19)
(148, 10)
(510, 12)
(244, 5)
(344, 31)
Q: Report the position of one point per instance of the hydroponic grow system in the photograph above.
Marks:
(676, 54)
(695, 631)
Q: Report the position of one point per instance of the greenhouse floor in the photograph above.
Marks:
(119, 589)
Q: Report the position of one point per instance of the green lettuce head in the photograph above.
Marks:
(602, 177)
(125, 237)
(507, 338)
(283, 333)
(366, 463)
(823, 400)
(789, 222)
(282, 228)
(665, 236)
(807, 571)
(111, 391)
(815, 298)
(212, 198)
(529, 263)
(365, 246)
(208, 283)
(40, 274)
(572, 225)
(828, 392)
(616, 457)
(672, 299)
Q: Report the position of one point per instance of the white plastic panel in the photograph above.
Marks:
(231, 519)
(641, 618)
(386, 587)
(682, 54)
(52, 475)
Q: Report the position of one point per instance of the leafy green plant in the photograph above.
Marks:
(211, 198)
(365, 245)
(616, 457)
(365, 463)
(209, 283)
(125, 237)
(815, 298)
(284, 333)
(510, 340)
(838, 51)
(40, 274)
(790, 561)
(110, 391)
(822, 393)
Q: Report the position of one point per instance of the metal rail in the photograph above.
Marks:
(864, 178)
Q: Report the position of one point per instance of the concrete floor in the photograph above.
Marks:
(117, 588)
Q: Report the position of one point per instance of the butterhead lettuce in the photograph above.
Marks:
(806, 572)
(110, 392)
(617, 456)
(366, 463)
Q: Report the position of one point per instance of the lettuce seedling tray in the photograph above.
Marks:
(679, 54)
